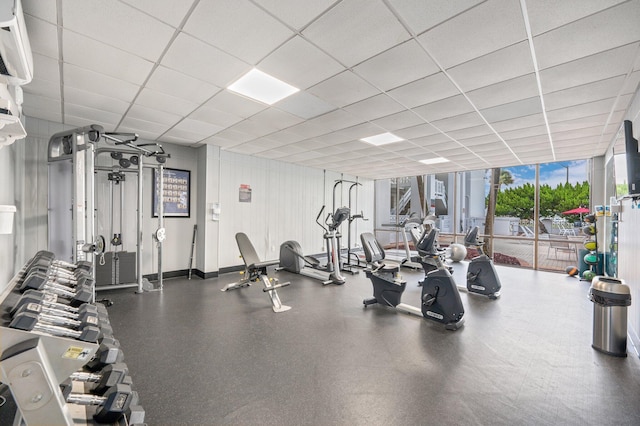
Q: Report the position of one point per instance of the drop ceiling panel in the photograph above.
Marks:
(152, 115)
(202, 61)
(99, 57)
(416, 131)
(515, 89)
(294, 12)
(374, 107)
(480, 140)
(40, 106)
(152, 99)
(630, 85)
(91, 115)
(169, 11)
(449, 107)
(518, 123)
(583, 94)
(215, 116)
(304, 105)
(579, 123)
(609, 29)
(118, 24)
(399, 120)
(458, 122)
(336, 120)
(343, 89)
(300, 64)
(43, 37)
(180, 85)
(511, 110)
(424, 91)
(47, 71)
(565, 11)
(592, 68)
(95, 101)
(461, 38)
(238, 27)
(45, 10)
(182, 136)
(273, 118)
(523, 133)
(421, 16)
(429, 142)
(198, 128)
(397, 66)
(91, 81)
(369, 27)
(504, 64)
(471, 132)
(234, 104)
(584, 110)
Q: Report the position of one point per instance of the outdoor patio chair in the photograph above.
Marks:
(563, 246)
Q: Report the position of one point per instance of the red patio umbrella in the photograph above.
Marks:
(578, 210)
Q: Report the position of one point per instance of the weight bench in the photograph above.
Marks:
(256, 270)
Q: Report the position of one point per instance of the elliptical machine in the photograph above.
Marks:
(293, 260)
(481, 274)
(440, 300)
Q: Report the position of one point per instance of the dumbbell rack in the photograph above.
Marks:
(34, 365)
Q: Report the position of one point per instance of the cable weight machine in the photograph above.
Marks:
(72, 158)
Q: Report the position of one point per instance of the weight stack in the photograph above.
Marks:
(119, 268)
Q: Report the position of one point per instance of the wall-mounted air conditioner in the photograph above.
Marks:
(16, 60)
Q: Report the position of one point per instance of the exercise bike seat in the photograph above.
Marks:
(374, 254)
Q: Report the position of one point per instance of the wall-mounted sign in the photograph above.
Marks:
(176, 191)
(244, 193)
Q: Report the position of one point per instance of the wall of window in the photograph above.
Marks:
(535, 220)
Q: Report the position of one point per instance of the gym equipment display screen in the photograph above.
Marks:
(176, 193)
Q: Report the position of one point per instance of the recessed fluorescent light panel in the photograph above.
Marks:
(262, 87)
(382, 139)
(435, 160)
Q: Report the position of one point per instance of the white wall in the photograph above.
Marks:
(285, 200)
(7, 197)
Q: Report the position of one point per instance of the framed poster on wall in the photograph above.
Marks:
(177, 193)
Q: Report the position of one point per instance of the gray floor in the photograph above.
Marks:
(200, 356)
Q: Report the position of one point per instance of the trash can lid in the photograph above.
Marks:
(609, 285)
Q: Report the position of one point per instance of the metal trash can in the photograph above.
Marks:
(610, 297)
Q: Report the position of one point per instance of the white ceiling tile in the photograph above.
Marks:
(294, 12)
(118, 25)
(99, 57)
(235, 136)
(374, 107)
(140, 112)
(524, 133)
(225, 143)
(300, 64)
(42, 107)
(202, 61)
(234, 104)
(338, 119)
(45, 10)
(304, 105)
(577, 133)
(273, 118)
(343, 89)
(152, 99)
(471, 132)
(480, 140)
(308, 129)
(545, 15)
(253, 128)
(285, 137)
(586, 70)
(94, 100)
(180, 85)
(579, 123)
(399, 120)
(91, 81)
(583, 110)
(582, 94)
(631, 83)
(516, 89)
(237, 27)
(43, 37)
(423, 15)
(606, 30)
(397, 66)
(181, 136)
(416, 131)
(515, 109)
(170, 11)
(518, 123)
(457, 122)
(215, 116)
(449, 107)
(424, 91)
(462, 38)
(504, 64)
(369, 27)
(196, 127)
(90, 115)
(46, 80)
